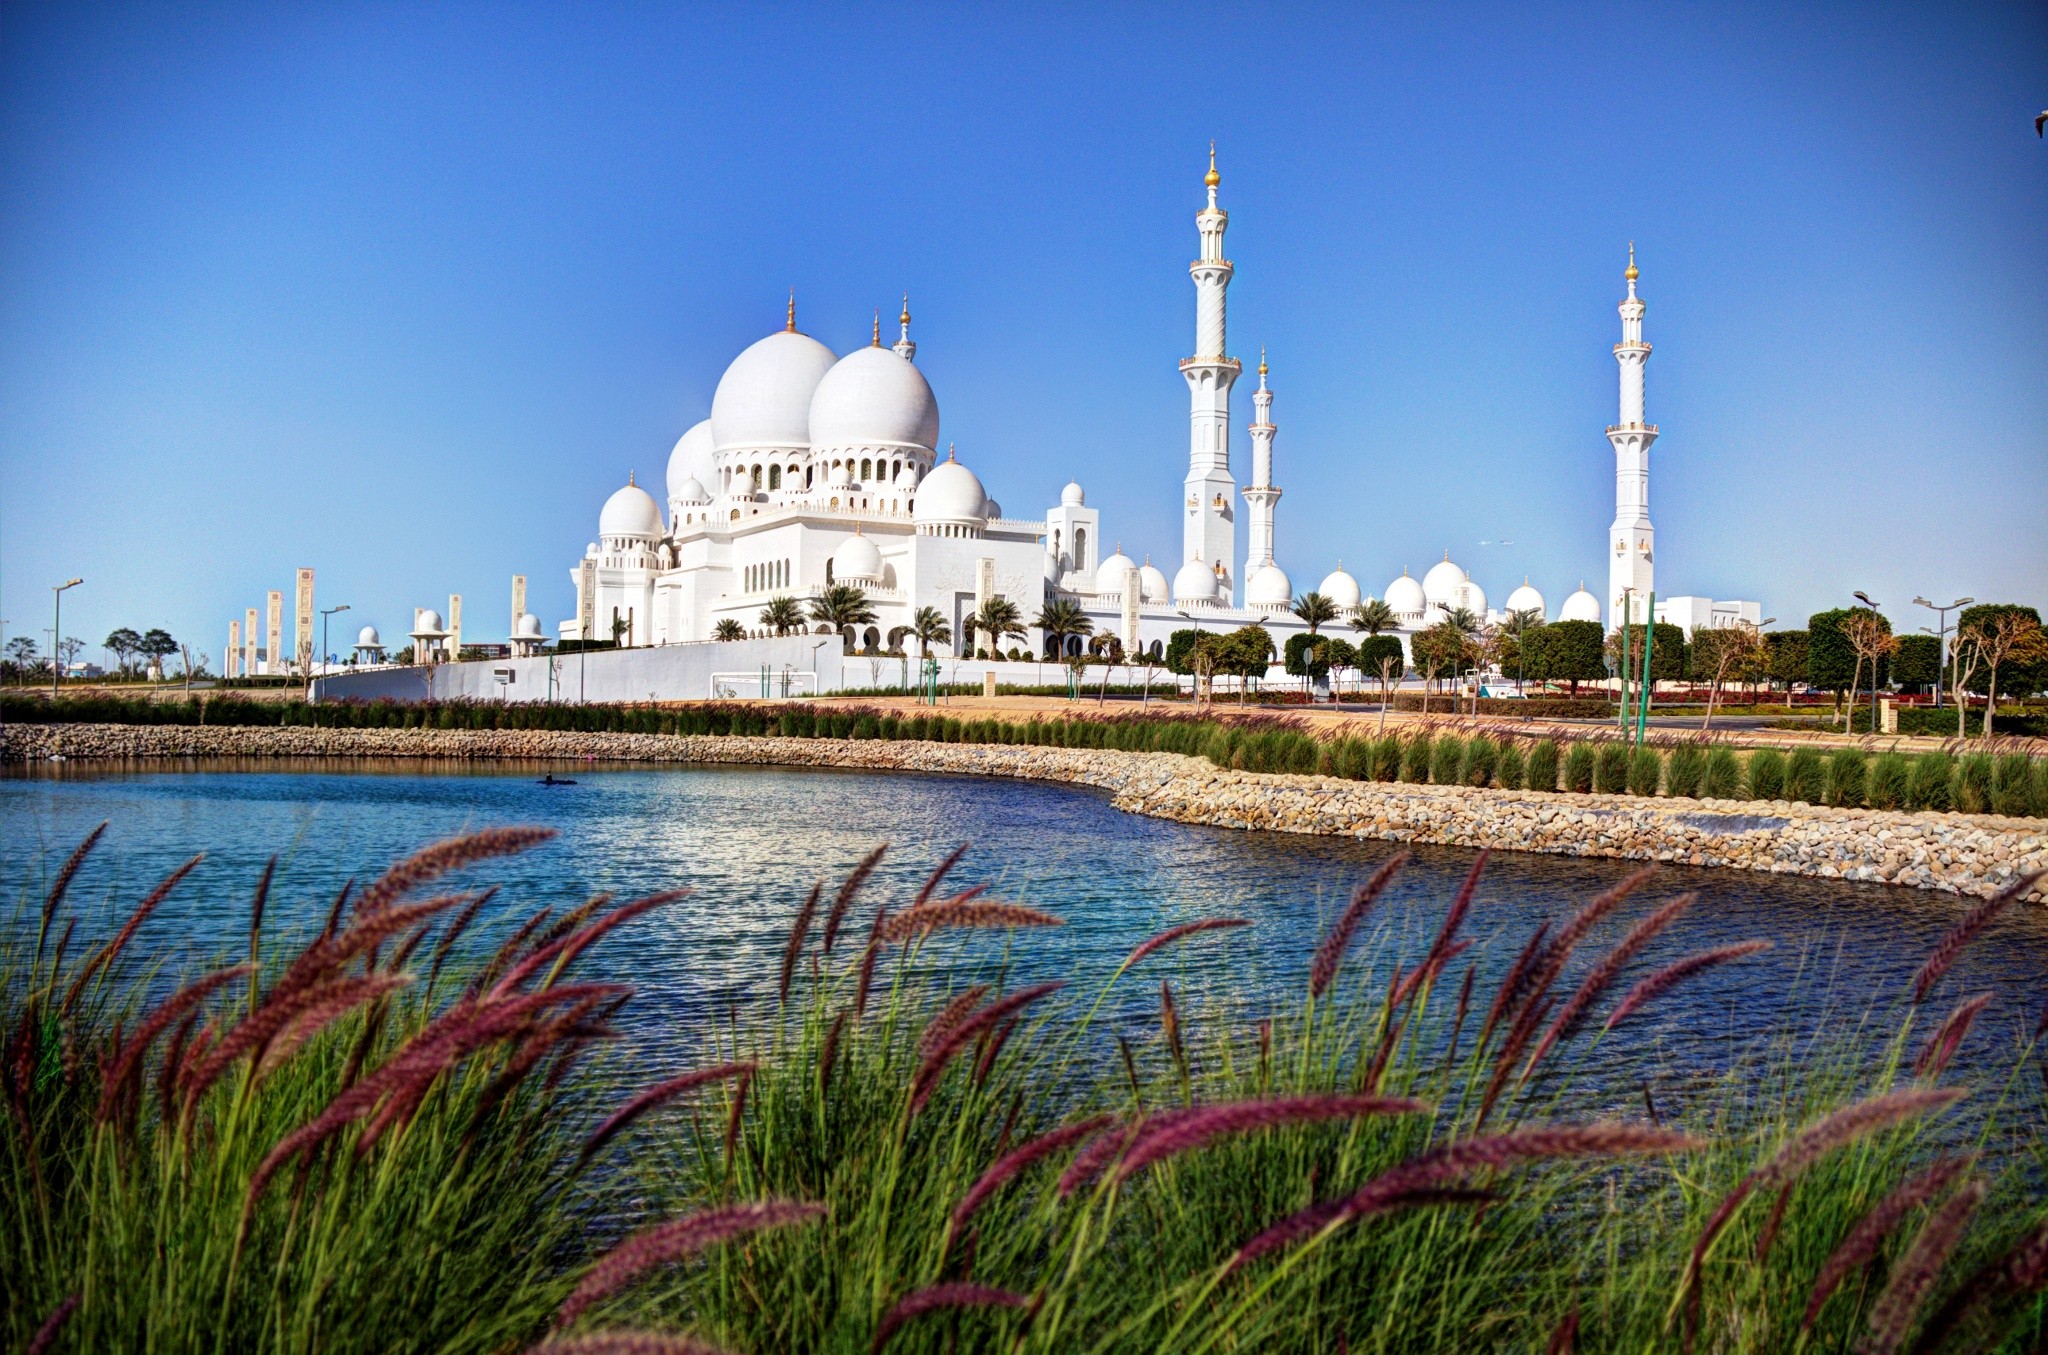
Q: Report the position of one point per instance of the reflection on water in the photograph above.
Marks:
(749, 841)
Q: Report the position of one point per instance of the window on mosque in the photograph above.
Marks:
(775, 477)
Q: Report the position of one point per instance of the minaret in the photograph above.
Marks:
(1261, 493)
(1631, 542)
(905, 347)
(1209, 529)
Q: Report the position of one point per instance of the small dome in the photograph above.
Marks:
(764, 398)
(1580, 606)
(630, 511)
(429, 622)
(1071, 496)
(1194, 582)
(1151, 583)
(691, 460)
(528, 628)
(907, 477)
(1526, 599)
(873, 398)
(839, 477)
(856, 560)
(1406, 597)
(1472, 598)
(1340, 588)
(689, 491)
(1270, 588)
(1442, 583)
(991, 510)
(1114, 575)
(951, 493)
(366, 638)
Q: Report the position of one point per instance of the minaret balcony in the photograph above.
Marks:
(1649, 428)
(1229, 364)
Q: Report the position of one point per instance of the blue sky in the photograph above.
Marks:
(402, 292)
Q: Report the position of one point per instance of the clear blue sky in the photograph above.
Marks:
(403, 291)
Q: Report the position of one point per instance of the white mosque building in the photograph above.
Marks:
(815, 469)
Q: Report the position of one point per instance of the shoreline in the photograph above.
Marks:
(1966, 854)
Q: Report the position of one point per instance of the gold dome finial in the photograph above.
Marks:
(1212, 178)
(1262, 359)
(789, 325)
(1631, 273)
(629, 479)
(876, 342)
(949, 453)
(904, 318)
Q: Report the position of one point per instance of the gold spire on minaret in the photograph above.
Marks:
(1212, 178)
(1262, 359)
(876, 342)
(1631, 273)
(789, 325)
(904, 318)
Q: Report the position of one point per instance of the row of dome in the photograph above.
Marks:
(1446, 586)
(948, 494)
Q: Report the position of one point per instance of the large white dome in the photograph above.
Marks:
(1526, 599)
(630, 511)
(1473, 599)
(1443, 582)
(366, 638)
(1270, 587)
(950, 494)
(691, 460)
(1194, 583)
(1580, 606)
(1406, 597)
(873, 398)
(1340, 588)
(429, 622)
(857, 560)
(764, 398)
(1115, 575)
(528, 628)
(1151, 582)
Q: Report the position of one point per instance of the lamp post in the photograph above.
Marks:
(1864, 598)
(325, 612)
(57, 633)
(1941, 637)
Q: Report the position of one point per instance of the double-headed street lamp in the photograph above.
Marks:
(1941, 638)
(57, 634)
(1864, 598)
(325, 612)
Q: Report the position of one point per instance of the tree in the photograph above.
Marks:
(929, 628)
(122, 644)
(1508, 643)
(1315, 611)
(23, 653)
(2018, 675)
(1306, 656)
(842, 606)
(1832, 664)
(1062, 619)
(1373, 616)
(1180, 652)
(728, 629)
(996, 618)
(1788, 657)
(67, 650)
(1440, 651)
(1245, 653)
(1721, 653)
(2008, 635)
(1375, 653)
(1667, 653)
(1339, 654)
(1870, 635)
(157, 645)
(1917, 661)
(1566, 651)
(783, 615)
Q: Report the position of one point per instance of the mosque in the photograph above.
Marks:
(817, 469)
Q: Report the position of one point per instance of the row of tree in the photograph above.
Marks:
(133, 651)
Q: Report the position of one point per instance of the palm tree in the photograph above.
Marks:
(1516, 628)
(1315, 610)
(1467, 622)
(728, 629)
(996, 618)
(1373, 616)
(842, 607)
(782, 615)
(929, 628)
(1060, 619)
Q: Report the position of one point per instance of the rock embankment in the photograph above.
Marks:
(1956, 853)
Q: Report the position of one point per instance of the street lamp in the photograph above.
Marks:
(57, 634)
(326, 612)
(1941, 637)
(1864, 598)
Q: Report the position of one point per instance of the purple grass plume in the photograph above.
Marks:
(1649, 988)
(1017, 1159)
(1203, 1125)
(1173, 934)
(1446, 947)
(937, 1296)
(950, 1015)
(1095, 1157)
(2020, 1272)
(962, 910)
(1565, 1335)
(1916, 1272)
(799, 930)
(1322, 970)
(672, 1241)
(46, 1335)
(1604, 974)
(68, 870)
(849, 887)
(1963, 933)
(659, 1094)
(1873, 1228)
(1949, 1036)
(106, 954)
(430, 863)
(128, 1057)
(1508, 997)
(933, 1068)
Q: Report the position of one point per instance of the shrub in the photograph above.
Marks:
(1610, 768)
(1767, 774)
(1386, 758)
(1541, 773)
(1482, 756)
(1684, 771)
(1579, 766)
(1512, 769)
(2012, 788)
(1806, 776)
(1932, 784)
(1887, 784)
(1415, 758)
(1973, 783)
(1645, 771)
(1446, 759)
(1721, 777)
(1842, 785)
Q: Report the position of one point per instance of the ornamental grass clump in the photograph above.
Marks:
(1806, 776)
(1512, 771)
(1974, 783)
(1541, 771)
(1888, 783)
(1482, 760)
(1721, 777)
(1645, 771)
(1386, 758)
(1842, 785)
(1446, 760)
(1766, 774)
(1415, 757)
(1611, 762)
(2012, 785)
(1579, 767)
(1685, 771)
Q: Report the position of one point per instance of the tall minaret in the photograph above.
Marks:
(1209, 528)
(906, 347)
(1631, 542)
(1261, 493)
